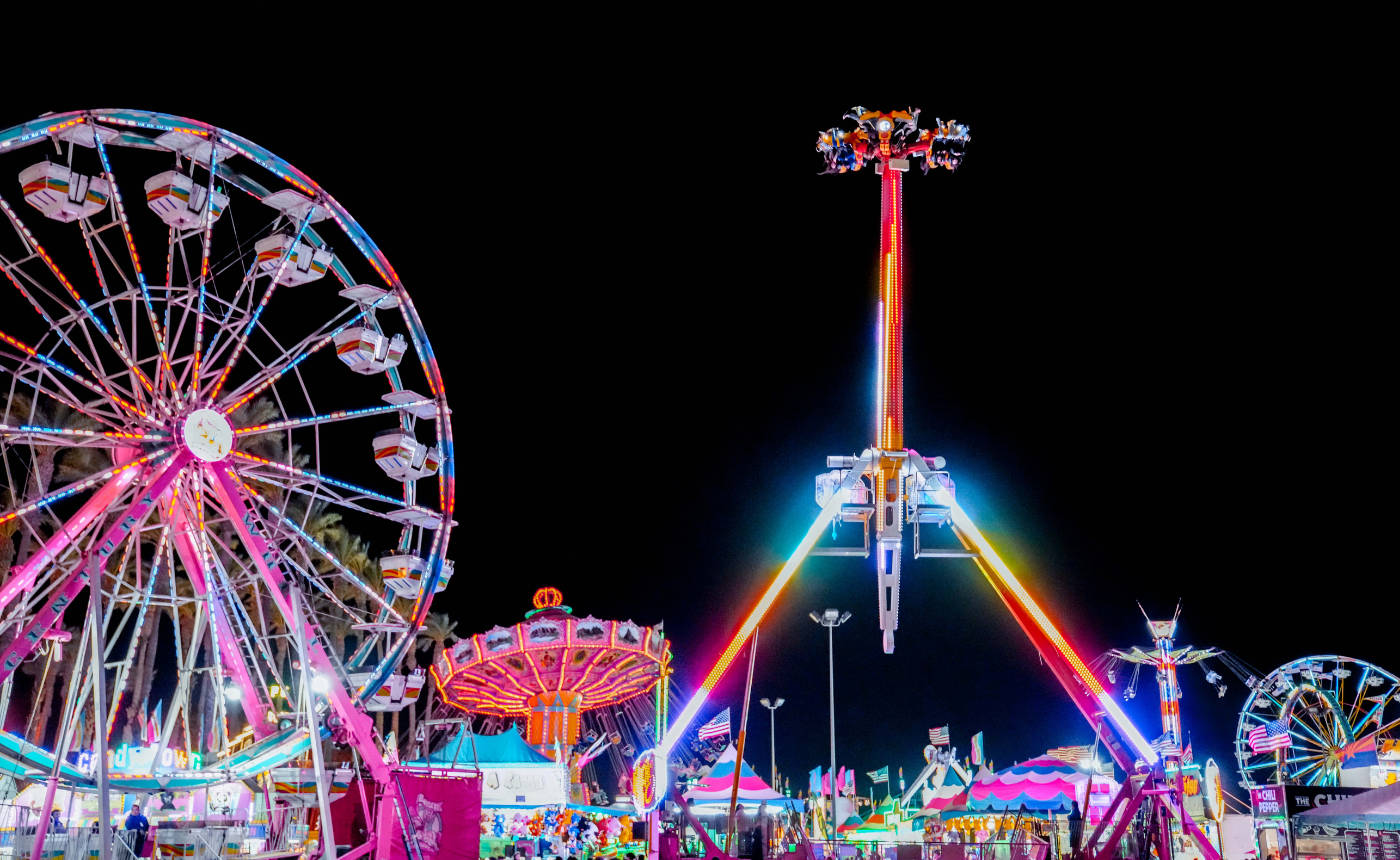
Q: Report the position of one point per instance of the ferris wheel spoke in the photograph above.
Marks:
(85, 483)
(83, 358)
(277, 369)
(346, 573)
(160, 335)
(326, 481)
(54, 364)
(24, 574)
(65, 435)
(53, 268)
(49, 386)
(46, 616)
(331, 417)
(125, 350)
(270, 532)
(262, 304)
(206, 236)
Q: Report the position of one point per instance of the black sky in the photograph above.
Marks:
(1145, 330)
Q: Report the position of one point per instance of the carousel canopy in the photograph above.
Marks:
(715, 786)
(506, 748)
(584, 663)
(1042, 784)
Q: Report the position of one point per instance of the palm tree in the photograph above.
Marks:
(437, 629)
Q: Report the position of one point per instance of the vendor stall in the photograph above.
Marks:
(1361, 827)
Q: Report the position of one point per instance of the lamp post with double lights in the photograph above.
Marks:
(772, 737)
(831, 619)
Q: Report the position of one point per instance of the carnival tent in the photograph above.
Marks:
(715, 786)
(465, 750)
(951, 794)
(1042, 784)
(1378, 809)
(512, 774)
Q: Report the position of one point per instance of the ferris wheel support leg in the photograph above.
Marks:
(318, 757)
(356, 722)
(24, 575)
(255, 704)
(99, 704)
(65, 731)
(91, 568)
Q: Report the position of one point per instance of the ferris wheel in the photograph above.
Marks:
(1307, 720)
(217, 397)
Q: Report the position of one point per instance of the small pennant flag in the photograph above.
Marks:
(814, 780)
(977, 749)
(851, 781)
(1271, 736)
(938, 737)
(879, 776)
(1071, 755)
(716, 728)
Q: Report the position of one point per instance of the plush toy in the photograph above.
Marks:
(498, 825)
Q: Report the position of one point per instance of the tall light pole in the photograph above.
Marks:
(831, 619)
(772, 738)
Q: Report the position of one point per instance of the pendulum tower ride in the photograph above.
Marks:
(894, 486)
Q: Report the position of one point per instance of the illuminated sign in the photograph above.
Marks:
(1267, 801)
(127, 759)
(648, 781)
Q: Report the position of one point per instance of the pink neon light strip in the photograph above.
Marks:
(785, 573)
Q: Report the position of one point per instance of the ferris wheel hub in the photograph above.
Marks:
(207, 434)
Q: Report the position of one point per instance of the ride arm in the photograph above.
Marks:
(1125, 743)
(788, 570)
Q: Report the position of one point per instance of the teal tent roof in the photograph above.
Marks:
(506, 748)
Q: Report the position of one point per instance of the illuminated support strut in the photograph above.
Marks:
(893, 485)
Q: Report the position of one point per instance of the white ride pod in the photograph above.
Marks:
(62, 194)
(368, 351)
(304, 264)
(179, 200)
(403, 458)
(396, 693)
(403, 574)
(828, 483)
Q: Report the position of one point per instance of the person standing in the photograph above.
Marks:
(137, 825)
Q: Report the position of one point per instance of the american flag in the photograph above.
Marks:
(716, 728)
(1167, 746)
(881, 775)
(1071, 755)
(1270, 736)
(938, 737)
(1186, 755)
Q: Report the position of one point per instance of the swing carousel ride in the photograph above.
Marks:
(194, 391)
(551, 669)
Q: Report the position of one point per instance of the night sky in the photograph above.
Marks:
(1143, 328)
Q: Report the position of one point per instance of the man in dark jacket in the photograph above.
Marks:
(137, 825)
